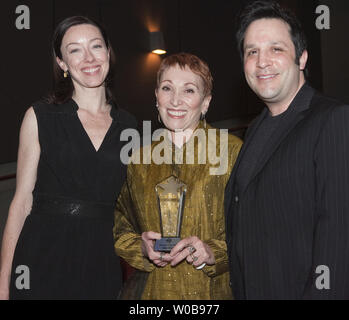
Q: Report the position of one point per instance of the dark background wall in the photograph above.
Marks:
(205, 28)
(335, 50)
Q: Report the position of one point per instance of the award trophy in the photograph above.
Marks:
(171, 196)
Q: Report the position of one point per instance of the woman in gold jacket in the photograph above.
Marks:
(200, 157)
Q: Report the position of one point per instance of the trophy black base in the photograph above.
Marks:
(166, 244)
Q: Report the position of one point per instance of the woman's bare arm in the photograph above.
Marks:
(27, 163)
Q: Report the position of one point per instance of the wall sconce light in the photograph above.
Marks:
(157, 43)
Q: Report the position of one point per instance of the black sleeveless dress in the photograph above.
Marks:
(66, 250)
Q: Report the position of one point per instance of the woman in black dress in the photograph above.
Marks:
(58, 241)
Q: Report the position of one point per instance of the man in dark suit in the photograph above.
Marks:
(287, 200)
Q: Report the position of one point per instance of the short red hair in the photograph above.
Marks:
(194, 63)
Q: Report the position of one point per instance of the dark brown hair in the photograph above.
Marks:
(256, 10)
(63, 87)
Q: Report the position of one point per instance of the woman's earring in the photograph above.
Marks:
(65, 74)
(202, 118)
(157, 107)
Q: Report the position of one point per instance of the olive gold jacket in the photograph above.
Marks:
(203, 216)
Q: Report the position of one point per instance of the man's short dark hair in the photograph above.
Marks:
(270, 10)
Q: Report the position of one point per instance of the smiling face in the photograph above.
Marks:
(181, 99)
(85, 56)
(270, 63)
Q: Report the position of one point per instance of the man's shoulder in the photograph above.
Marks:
(325, 110)
(323, 102)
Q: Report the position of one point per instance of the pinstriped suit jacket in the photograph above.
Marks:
(292, 217)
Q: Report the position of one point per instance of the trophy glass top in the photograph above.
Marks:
(171, 195)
